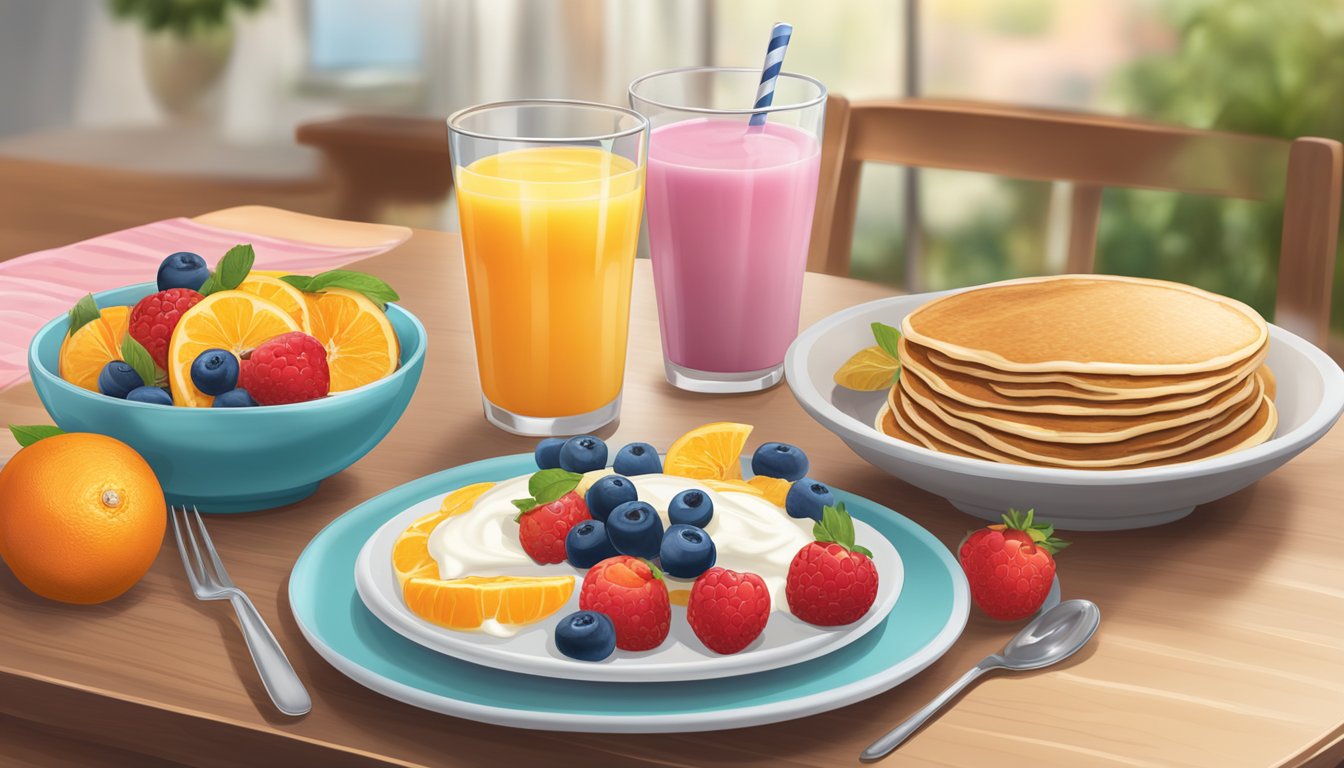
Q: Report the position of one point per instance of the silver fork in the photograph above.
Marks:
(208, 583)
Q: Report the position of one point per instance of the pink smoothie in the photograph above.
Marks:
(730, 215)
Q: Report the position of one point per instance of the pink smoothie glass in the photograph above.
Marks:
(729, 209)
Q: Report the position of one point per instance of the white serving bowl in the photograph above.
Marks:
(1310, 398)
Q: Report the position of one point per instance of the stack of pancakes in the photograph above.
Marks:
(1083, 371)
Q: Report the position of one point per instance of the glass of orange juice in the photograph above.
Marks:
(549, 195)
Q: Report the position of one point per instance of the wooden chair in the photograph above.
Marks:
(1093, 152)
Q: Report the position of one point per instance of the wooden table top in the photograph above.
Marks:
(1222, 639)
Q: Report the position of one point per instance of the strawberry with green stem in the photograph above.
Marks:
(1011, 565)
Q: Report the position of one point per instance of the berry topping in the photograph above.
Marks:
(118, 378)
(727, 609)
(608, 493)
(587, 544)
(234, 398)
(807, 498)
(631, 592)
(584, 453)
(215, 371)
(635, 529)
(637, 459)
(779, 460)
(691, 507)
(586, 636)
(548, 453)
(543, 529)
(152, 395)
(1011, 566)
(155, 316)
(686, 551)
(183, 269)
(831, 581)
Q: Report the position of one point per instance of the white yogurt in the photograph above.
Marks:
(750, 534)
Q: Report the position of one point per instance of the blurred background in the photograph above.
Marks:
(143, 109)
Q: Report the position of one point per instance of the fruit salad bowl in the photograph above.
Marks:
(234, 459)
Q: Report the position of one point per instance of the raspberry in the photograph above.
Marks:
(632, 594)
(290, 368)
(727, 609)
(155, 316)
(542, 529)
(829, 585)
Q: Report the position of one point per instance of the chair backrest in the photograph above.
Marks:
(1093, 152)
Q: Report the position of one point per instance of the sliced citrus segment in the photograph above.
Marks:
(286, 296)
(734, 486)
(776, 489)
(410, 554)
(868, 370)
(97, 343)
(232, 320)
(361, 345)
(460, 501)
(710, 452)
(468, 603)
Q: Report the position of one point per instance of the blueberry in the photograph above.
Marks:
(117, 379)
(587, 544)
(635, 529)
(806, 497)
(234, 398)
(638, 459)
(183, 269)
(215, 371)
(779, 460)
(691, 508)
(687, 551)
(584, 453)
(586, 636)
(153, 395)
(548, 453)
(607, 494)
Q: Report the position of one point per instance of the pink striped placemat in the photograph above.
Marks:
(39, 286)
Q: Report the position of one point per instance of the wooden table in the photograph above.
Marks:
(1222, 642)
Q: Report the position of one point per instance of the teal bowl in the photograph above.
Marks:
(234, 459)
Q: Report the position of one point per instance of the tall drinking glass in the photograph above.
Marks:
(549, 194)
(730, 215)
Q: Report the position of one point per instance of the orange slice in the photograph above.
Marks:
(94, 345)
(286, 296)
(775, 489)
(410, 554)
(232, 320)
(734, 486)
(868, 370)
(468, 603)
(361, 345)
(711, 452)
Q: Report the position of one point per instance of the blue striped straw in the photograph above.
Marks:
(774, 62)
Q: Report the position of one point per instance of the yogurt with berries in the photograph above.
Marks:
(750, 533)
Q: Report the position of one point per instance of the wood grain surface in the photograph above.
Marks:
(1222, 639)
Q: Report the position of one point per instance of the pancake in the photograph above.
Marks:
(1090, 429)
(886, 424)
(1090, 324)
(976, 393)
(1100, 387)
(1224, 438)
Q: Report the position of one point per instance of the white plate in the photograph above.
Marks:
(786, 640)
(1309, 400)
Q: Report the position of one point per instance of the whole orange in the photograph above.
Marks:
(81, 517)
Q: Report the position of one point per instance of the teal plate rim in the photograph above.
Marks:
(928, 618)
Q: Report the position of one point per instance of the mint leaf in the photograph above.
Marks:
(84, 312)
(550, 484)
(136, 356)
(27, 435)
(373, 288)
(887, 338)
(210, 286)
(524, 506)
(233, 268)
(299, 281)
(837, 527)
(866, 552)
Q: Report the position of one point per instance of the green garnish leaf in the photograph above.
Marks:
(27, 435)
(524, 506)
(136, 356)
(209, 286)
(837, 527)
(377, 291)
(887, 338)
(1041, 533)
(84, 312)
(657, 572)
(548, 485)
(233, 268)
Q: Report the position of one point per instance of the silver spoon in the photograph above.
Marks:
(1052, 637)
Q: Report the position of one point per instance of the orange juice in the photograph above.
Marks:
(549, 235)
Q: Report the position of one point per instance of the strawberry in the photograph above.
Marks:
(542, 529)
(727, 609)
(1010, 566)
(631, 592)
(290, 368)
(155, 316)
(831, 581)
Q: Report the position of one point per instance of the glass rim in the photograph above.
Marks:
(641, 126)
(812, 102)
